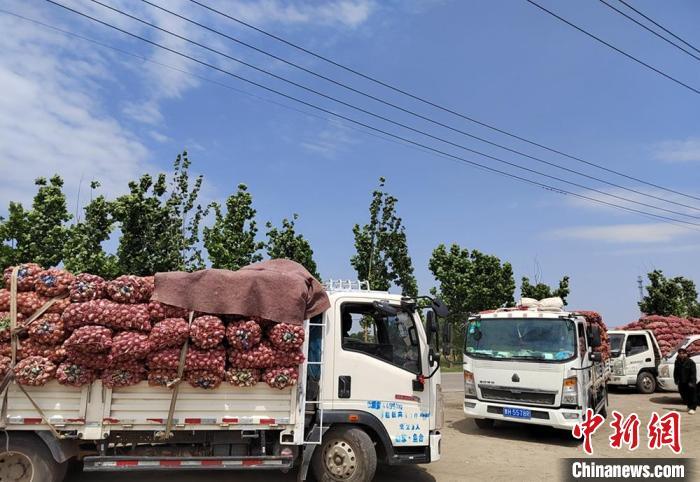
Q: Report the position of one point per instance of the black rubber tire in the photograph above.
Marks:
(484, 423)
(646, 383)
(361, 446)
(43, 466)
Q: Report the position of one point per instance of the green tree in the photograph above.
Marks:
(540, 290)
(231, 242)
(670, 296)
(37, 235)
(382, 256)
(83, 251)
(286, 243)
(156, 234)
(469, 282)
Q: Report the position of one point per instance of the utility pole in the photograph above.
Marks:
(640, 283)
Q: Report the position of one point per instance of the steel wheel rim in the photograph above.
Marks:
(340, 459)
(16, 467)
(646, 382)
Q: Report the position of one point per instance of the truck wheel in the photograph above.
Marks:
(29, 460)
(347, 454)
(484, 423)
(646, 383)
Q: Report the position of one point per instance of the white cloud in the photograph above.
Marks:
(329, 141)
(625, 233)
(348, 13)
(687, 150)
(52, 119)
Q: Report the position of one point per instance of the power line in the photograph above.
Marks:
(629, 17)
(438, 106)
(659, 25)
(408, 111)
(387, 119)
(375, 129)
(608, 44)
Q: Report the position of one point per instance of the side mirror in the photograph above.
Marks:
(595, 356)
(440, 308)
(594, 336)
(431, 327)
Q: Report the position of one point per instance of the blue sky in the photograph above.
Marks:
(83, 111)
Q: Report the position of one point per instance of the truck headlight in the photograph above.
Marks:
(469, 387)
(664, 371)
(569, 391)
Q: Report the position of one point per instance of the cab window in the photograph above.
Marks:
(582, 339)
(390, 338)
(636, 344)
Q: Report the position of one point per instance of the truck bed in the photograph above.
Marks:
(94, 410)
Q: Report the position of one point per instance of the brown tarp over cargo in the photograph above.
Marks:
(278, 289)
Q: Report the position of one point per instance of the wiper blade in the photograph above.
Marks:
(529, 357)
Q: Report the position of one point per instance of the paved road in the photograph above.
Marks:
(452, 382)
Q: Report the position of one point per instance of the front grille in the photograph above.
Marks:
(517, 395)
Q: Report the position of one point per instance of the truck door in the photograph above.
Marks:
(584, 375)
(637, 354)
(378, 357)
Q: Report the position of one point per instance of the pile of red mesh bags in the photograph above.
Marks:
(112, 331)
(594, 318)
(668, 330)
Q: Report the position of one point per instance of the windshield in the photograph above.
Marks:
(683, 342)
(521, 338)
(616, 340)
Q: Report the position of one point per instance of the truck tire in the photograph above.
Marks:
(347, 454)
(484, 423)
(29, 460)
(646, 383)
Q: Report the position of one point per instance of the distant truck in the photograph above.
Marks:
(533, 364)
(665, 377)
(635, 359)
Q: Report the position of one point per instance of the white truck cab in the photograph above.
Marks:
(534, 365)
(665, 377)
(635, 359)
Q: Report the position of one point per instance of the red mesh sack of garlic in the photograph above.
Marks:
(242, 377)
(29, 348)
(594, 318)
(95, 361)
(107, 313)
(34, 371)
(29, 302)
(26, 276)
(243, 335)
(4, 300)
(160, 311)
(167, 359)
(130, 345)
(288, 358)
(122, 377)
(87, 287)
(286, 337)
(260, 356)
(206, 379)
(74, 375)
(207, 332)
(90, 339)
(281, 377)
(5, 349)
(168, 333)
(213, 360)
(129, 289)
(161, 377)
(5, 362)
(53, 282)
(5, 334)
(47, 329)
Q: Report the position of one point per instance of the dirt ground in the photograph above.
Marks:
(507, 452)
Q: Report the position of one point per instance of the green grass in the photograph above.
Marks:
(445, 368)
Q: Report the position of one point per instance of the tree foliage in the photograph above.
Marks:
(84, 252)
(156, 234)
(39, 234)
(540, 290)
(381, 247)
(670, 296)
(286, 243)
(230, 241)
